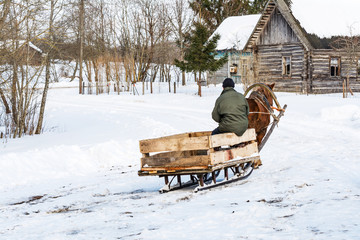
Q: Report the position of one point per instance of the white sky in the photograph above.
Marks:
(328, 17)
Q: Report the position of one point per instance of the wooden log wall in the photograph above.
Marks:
(218, 76)
(322, 81)
(277, 31)
(275, 42)
(268, 66)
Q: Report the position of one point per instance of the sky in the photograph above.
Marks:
(328, 18)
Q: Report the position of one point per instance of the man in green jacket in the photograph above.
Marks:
(231, 110)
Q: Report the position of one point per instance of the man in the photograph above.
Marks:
(231, 110)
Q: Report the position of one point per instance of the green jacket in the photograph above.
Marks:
(231, 112)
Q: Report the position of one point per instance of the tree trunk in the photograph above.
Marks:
(47, 73)
(183, 78)
(75, 70)
(44, 96)
(199, 84)
(13, 92)
(7, 108)
(81, 32)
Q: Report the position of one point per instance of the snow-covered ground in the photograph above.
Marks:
(79, 179)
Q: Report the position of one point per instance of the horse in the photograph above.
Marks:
(260, 104)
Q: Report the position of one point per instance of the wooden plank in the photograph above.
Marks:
(175, 169)
(226, 155)
(184, 135)
(175, 161)
(230, 139)
(180, 153)
(171, 171)
(168, 144)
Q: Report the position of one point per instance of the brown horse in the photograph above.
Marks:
(260, 102)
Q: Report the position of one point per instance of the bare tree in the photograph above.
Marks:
(181, 20)
(20, 26)
(54, 5)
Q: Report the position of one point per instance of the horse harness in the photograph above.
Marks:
(261, 99)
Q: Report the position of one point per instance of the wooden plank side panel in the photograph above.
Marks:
(173, 170)
(183, 135)
(230, 139)
(185, 143)
(175, 161)
(226, 155)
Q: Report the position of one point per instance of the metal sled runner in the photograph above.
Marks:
(200, 156)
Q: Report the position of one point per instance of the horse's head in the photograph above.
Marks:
(264, 92)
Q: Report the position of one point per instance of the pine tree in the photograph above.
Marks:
(200, 54)
(214, 12)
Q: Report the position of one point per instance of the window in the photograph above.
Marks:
(244, 68)
(334, 66)
(286, 66)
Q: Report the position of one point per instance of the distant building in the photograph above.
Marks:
(288, 50)
(234, 32)
(22, 51)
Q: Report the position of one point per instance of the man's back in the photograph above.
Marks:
(231, 111)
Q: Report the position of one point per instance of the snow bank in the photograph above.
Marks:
(63, 161)
(347, 114)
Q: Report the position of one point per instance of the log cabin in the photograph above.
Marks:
(289, 52)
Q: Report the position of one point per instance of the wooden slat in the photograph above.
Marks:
(175, 161)
(171, 171)
(226, 155)
(229, 139)
(174, 169)
(183, 135)
(163, 144)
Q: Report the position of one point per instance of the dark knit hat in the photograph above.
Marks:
(228, 82)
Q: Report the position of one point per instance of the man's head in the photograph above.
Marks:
(228, 82)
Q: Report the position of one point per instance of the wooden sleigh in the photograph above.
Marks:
(201, 157)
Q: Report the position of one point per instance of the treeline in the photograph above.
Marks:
(115, 40)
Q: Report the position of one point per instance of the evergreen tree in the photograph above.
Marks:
(200, 54)
(214, 12)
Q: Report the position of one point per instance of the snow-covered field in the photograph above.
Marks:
(79, 179)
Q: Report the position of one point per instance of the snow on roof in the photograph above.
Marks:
(9, 44)
(35, 47)
(327, 18)
(235, 31)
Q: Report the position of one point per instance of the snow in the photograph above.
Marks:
(328, 18)
(235, 31)
(78, 180)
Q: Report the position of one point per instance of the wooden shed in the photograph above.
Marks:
(24, 52)
(285, 53)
